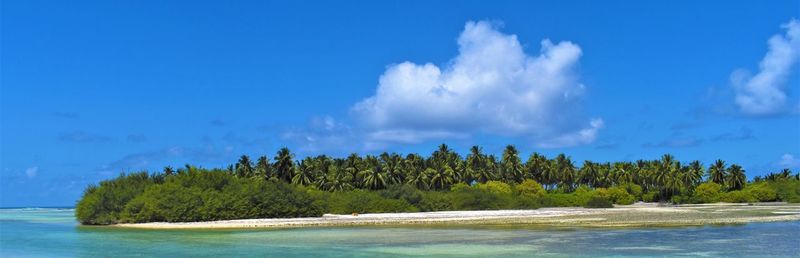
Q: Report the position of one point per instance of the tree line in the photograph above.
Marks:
(665, 177)
(286, 187)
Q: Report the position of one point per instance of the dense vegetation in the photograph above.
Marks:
(285, 187)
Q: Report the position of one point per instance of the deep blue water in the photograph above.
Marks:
(54, 233)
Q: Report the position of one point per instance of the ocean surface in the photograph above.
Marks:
(55, 233)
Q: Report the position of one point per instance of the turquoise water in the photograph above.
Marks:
(54, 232)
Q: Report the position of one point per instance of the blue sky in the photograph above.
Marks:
(92, 89)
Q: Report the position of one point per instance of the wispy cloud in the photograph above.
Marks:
(136, 138)
(158, 158)
(788, 161)
(82, 137)
(678, 142)
(764, 93)
(65, 114)
(217, 122)
(743, 134)
(31, 172)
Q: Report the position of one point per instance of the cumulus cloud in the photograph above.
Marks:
(491, 87)
(764, 93)
(789, 161)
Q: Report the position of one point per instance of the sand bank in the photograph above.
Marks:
(620, 216)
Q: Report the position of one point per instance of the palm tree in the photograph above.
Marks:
(536, 166)
(623, 172)
(336, 180)
(476, 166)
(589, 174)
(263, 167)
(244, 168)
(693, 174)
(169, 170)
(440, 176)
(414, 170)
(565, 172)
(716, 173)
(392, 165)
(284, 165)
(511, 165)
(736, 177)
(373, 177)
(304, 174)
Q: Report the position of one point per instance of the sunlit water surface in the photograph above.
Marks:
(54, 233)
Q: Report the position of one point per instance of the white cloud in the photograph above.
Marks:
(789, 161)
(491, 87)
(31, 172)
(764, 93)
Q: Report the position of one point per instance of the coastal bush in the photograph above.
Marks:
(633, 189)
(619, 195)
(598, 202)
(406, 192)
(530, 189)
(196, 195)
(650, 197)
(560, 200)
(480, 198)
(360, 201)
(708, 192)
(738, 197)
(495, 187)
(103, 204)
(762, 192)
(788, 190)
(436, 201)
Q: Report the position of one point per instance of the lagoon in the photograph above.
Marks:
(49, 232)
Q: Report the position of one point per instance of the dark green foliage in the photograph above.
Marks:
(197, 195)
(103, 204)
(361, 201)
(404, 192)
(436, 201)
(598, 202)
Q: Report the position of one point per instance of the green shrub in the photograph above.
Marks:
(530, 189)
(738, 197)
(650, 197)
(633, 189)
(495, 187)
(436, 201)
(788, 190)
(762, 192)
(361, 201)
(480, 198)
(560, 200)
(619, 195)
(103, 204)
(598, 202)
(708, 192)
(405, 192)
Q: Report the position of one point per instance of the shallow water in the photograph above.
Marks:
(54, 232)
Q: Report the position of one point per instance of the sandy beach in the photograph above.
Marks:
(642, 214)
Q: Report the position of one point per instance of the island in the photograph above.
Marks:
(442, 188)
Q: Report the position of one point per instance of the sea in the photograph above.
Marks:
(54, 232)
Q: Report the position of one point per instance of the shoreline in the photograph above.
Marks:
(637, 215)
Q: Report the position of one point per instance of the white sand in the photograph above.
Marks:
(630, 215)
